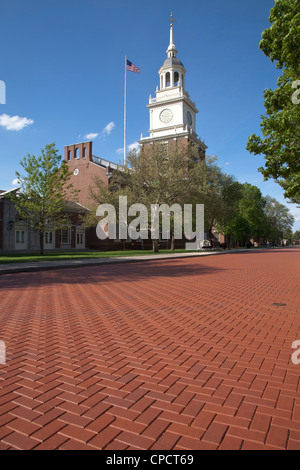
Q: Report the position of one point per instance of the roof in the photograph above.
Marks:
(172, 61)
(106, 163)
(4, 193)
(75, 206)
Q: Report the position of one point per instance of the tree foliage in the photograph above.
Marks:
(174, 175)
(279, 219)
(296, 237)
(280, 125)
(156, 175)
(44, 190)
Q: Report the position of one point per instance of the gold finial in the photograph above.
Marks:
(172, 19)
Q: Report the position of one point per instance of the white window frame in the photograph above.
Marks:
(67, 229)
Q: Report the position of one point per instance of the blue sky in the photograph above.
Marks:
(63, 65)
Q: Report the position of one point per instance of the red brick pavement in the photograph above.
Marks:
(182, 354)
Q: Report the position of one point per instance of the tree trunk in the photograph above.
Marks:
(155, 246)
(172, 242)
(41, 242)
(228, 241)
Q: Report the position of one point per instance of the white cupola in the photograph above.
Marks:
(172, 113)
(172, 72)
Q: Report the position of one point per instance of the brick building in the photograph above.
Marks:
(84, 167)
(172, 121)
(18, 235)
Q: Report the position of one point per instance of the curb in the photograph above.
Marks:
(26, 267)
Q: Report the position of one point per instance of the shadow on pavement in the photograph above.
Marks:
(99, 274)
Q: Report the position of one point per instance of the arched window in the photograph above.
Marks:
(168, 79)
(161, 82)
(176, 78)
(77, 152)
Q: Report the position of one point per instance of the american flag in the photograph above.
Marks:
(132, 67)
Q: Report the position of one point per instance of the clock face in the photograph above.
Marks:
(75, 172)
(166, 115)
(189, 118)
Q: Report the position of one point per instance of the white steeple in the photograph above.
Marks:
(171, 51)
(172, 113)
(172, 71)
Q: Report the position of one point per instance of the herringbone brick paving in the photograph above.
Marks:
(174, 355)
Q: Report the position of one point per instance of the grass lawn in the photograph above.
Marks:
(32, 257)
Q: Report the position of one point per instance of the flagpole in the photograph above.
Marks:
(125, 112)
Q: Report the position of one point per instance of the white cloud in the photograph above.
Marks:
(108, 129)
(226, 163)
(14, 123)
(120, 150)
(91, 136)
(15, 182)
(134, 146)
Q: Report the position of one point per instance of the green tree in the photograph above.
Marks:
(251, 208)
(226, 222)
(158, 174)
(296, 237)
(243, 216)
(44, 191)
(280, 125)
(207, 185)
(240, 228)
(279, 220)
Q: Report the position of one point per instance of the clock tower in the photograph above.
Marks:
(172, 113)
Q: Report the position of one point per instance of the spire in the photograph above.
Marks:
(171, 51)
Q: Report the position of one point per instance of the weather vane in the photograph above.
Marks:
(172, 19)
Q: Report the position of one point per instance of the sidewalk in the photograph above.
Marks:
(63, 264)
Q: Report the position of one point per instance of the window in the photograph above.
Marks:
(20, 236)
(84, 152)
(65, 236)
(48, 238)
(69, 155)
(168, 79)
(176, 78)
(79, 238)
(77, 153)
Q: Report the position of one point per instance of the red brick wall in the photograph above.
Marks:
(86, 170)
(181, 143)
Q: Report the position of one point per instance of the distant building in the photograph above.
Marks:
(18, 235)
